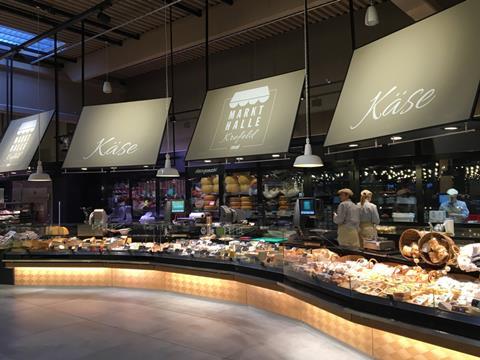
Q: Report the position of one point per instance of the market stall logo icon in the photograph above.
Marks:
(244, 119)
(394, 102)
(21, 141)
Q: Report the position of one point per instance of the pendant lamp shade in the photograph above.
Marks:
(107, 87)
(167, 170)
(371, 16)
(39, 175)
(308, 160)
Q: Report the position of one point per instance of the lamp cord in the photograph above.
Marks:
(38, 89)
(166, 76)
(307, 69)
(106, 57)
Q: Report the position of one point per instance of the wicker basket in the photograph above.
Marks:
(409, 237)
(444, 240)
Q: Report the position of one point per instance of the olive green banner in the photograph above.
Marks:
(21, 141)
(254, 118)
(122, 134)
(422, 76)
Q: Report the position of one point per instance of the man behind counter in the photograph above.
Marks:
(347, 218)
(455, 209)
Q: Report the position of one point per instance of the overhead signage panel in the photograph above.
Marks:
(254, 118)
(422, 76)
(122, 134)
(21, 141)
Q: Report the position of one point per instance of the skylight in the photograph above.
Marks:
(14, 37)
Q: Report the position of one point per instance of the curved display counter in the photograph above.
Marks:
(379, 327)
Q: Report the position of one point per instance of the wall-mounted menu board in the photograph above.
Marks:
(422, 76)
(254, 118)
(122, 134)
(21, 141)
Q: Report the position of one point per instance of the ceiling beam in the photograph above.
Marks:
(228, 20)
(56, 11)
(228, 2)
(186, 8)
(418, 9)
(25, 59)
(48, 21)
(101, 6)
(42, 53)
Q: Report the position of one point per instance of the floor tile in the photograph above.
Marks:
(108, 323)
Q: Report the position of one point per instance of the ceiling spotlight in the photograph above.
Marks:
(371, 16)
(396, 138)
(239, 158)
(207, 161)
(84, 169)
(353, 145)
(275, 155)
(145, 166)
(450, 128)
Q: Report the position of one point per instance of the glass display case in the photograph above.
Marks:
(144, 198)
(119, 202)
(394, 191)
(281, 189)
(325, 184)
(205, 194)
(240, 193)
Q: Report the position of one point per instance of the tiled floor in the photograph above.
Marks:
(106, 323)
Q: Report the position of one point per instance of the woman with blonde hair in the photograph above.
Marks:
(369, 217)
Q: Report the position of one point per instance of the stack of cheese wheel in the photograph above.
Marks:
(246, 203)
(210, 202)
(244, 182)
(235, 203)
(231, 184)
(283, 203)
(207, 185)
(216, 188)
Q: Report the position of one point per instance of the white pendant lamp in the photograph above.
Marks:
(371, 16)
(307, 160)
(168, 171)
(39, 175)
(107, 85)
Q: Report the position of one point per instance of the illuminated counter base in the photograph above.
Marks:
(366, 334)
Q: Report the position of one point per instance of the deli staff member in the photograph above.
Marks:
(347, 218)
(455, 209)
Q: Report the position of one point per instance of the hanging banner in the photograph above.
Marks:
(422, 76)
(21, 141)
(254, 118)
(122, 134)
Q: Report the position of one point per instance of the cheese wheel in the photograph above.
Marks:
(207, 189)
(232, 188)
(215, 180)
(216, 188)
(244, 188)
(209, 198)
(206, 181)
(230, 180)
(243, 180)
